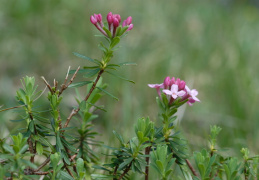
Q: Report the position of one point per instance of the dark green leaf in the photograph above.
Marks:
(120, 77)
(125, 163)
(17, 120)
(85, 57)
(98, 107)
(66, 176)
(91, 72)
(79, 84)
(108, 93)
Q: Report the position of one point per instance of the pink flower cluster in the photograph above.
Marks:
(113, 23)
(176, 88)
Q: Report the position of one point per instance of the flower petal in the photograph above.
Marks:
(166, 91)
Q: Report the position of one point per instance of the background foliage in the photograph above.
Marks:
(213, 45)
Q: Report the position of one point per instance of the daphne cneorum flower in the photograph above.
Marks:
(113, 21)
(176, 89)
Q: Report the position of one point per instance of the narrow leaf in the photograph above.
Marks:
(79, 84)
(125, 79)
(108, 93)
(84, 57)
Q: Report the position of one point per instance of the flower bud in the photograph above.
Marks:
(93, 20)
(117, 16)
(109, 18)
(167, 82)
(181, 85)
(172, 81)
(129, 20)
(99, 17)
(130, 27)
(177, 82)
(116, 23)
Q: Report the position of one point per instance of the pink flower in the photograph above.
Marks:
(192, 95)
(167, 82)
(127, 22)
(157, 86)
(113, 23)
(180, 83)
(130, 27)
(96, 20)
(174, 91)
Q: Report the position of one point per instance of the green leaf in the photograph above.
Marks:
(100, 176)
(108, 93)
(79, 165)
(119, 137)
(114, 42)
(58, 142)
(91, 72)
(23, 149)
(65, 176)
(79, 84)
(120, 77)
(125, 163)
(28, 163)
(98, 107)
(39, 148)
(8, 148)
(31, 126)
(17, 120)
(47, 143)
(85, 57)
(107, 32)
(127, 64)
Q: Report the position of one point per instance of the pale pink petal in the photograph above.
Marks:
(166, 91)
(181, 93)
(194, 92)
(174, 88)
(174, 96)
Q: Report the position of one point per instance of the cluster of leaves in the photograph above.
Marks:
(69, 151)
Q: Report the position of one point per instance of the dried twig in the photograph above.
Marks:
(49, 87)
(64, 85)
(75, 111)
(43, 164)
(11, 108)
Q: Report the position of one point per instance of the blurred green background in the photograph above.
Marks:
(213, 45)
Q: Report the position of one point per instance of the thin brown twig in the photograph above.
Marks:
(64, 85)
(11, 108)
(47, 84)
(31, 149)
(147, 152)
(115, 172)
(75, 111)
(191, 168)
(43, 164)
(125, 171)
(68, 170)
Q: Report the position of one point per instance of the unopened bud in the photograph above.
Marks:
(117, 16)
(167, 82)
(181, 85)
(130, 27)
(172, 81)
(93, 20)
